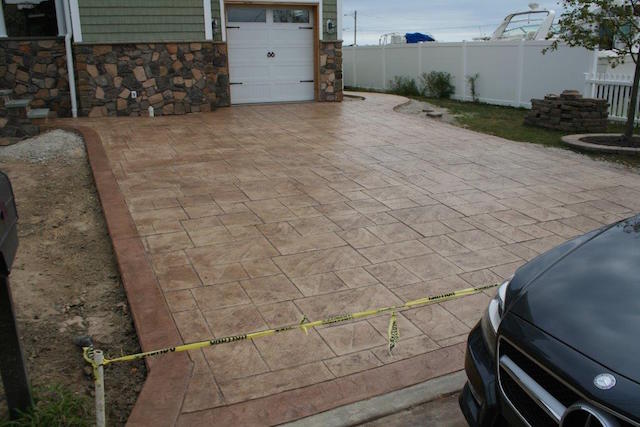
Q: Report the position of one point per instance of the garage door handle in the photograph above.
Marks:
(271, 54)
(307, 81)
(233, 27)
(232, 83)
(305, 28)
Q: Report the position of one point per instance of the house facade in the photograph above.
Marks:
(176, 56)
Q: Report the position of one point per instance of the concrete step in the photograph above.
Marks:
(38, 113)
(427, 110)
(6, 92)
(434, 114)
(17, 103)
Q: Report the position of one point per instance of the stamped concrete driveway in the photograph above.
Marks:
(255, 216)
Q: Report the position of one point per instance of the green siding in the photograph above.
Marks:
(330, 11)
(110, 21)
(105, 21)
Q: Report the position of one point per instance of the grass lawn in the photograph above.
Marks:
(508, 122)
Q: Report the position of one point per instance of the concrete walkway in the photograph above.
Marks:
(253, 216)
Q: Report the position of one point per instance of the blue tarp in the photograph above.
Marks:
(418, 37)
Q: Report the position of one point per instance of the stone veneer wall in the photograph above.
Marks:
(36, 68)
(330, 88)
(174, 78)
(569, 112)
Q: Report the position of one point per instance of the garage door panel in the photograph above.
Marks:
(286, 91)
(287, 75)
(256, 92)
(293, 73)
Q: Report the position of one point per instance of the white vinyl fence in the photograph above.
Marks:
(509, 72)
(616, 89)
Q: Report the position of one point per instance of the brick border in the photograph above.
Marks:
(576, 141)
(160, 400)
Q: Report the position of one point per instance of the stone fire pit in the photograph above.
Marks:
(569, 112)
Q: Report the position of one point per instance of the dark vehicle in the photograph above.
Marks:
(560, 342)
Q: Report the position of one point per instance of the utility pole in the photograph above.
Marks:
(355, 27)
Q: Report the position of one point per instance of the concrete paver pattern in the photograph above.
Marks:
(254, 216)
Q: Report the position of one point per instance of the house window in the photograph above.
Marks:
(295, 16)
(246, 14)
(30, 18)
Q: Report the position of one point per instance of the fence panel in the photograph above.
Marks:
(510, 72)
(616, 89)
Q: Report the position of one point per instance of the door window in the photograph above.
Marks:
(294, 16)
(246, 14)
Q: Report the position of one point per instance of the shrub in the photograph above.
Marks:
(405, 86)
(437, 84)
(473, 86)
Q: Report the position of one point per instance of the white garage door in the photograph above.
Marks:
(270, 54)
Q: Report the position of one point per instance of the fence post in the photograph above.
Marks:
(520, 76)
(464, 70)
(355, 68)
(594, 72)
(384, 67)
(419, 59)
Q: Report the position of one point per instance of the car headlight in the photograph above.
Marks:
(493, 316)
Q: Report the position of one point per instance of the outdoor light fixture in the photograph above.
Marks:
(331, 26)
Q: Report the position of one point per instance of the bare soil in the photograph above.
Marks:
(418, 108)
(65, 280)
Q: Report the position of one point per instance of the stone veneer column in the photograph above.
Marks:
(174, 78)
(36, 68)
(330, 85)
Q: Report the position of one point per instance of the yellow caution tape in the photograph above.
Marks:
(393, 333)
(304, 325)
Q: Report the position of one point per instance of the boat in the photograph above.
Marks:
(532, 24)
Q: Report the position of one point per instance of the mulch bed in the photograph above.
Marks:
(613, 141)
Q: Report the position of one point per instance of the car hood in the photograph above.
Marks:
(587, 295)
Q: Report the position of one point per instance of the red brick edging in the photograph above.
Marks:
(160, 400)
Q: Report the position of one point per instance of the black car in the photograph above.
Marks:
(560, 342)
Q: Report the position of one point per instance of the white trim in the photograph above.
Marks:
(3, 27)
(62, 30)
(208, 32)
(320, 20)
(74, 9)
(223, 22)
(339, 19)
(69, 54)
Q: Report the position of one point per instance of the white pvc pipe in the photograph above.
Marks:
(98, 359)
(70, 66)
(60, 18)
(3, 27)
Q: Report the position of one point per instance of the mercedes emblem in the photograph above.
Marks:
(604, 381)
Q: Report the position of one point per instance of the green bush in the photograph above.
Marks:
(437, 84)
(405, 86)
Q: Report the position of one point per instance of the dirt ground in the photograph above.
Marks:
(65, 280)
(417, 108)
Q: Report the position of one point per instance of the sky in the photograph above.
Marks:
(446, 20)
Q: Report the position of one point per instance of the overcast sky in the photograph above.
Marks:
(446, 20)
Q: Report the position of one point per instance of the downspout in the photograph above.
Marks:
(70, 66)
